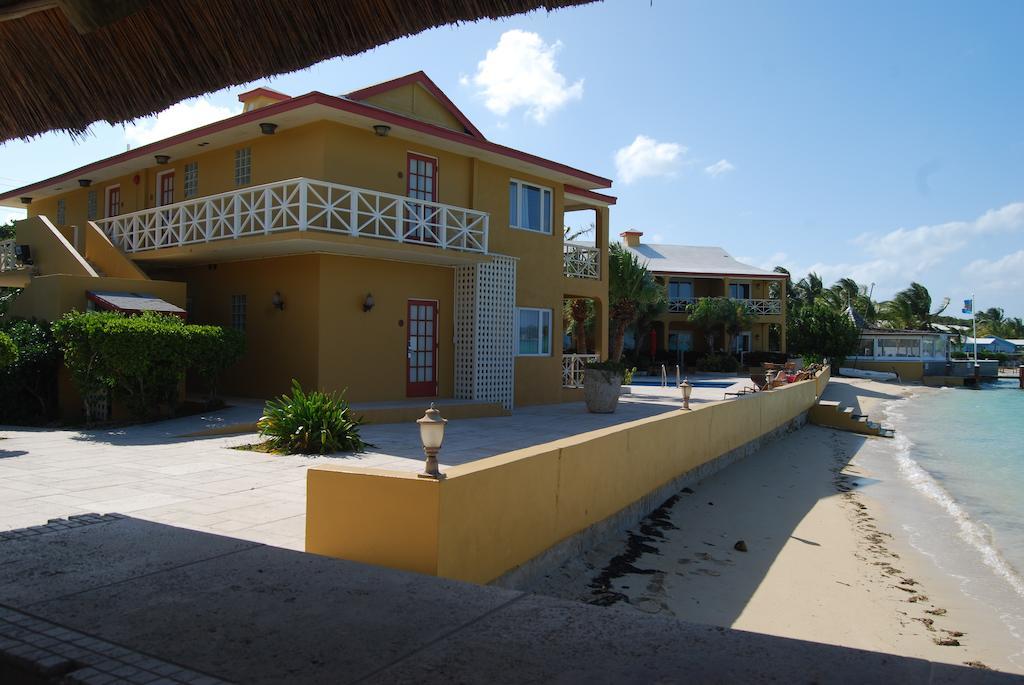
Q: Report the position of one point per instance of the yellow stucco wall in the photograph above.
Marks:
(490, 516)
(417, 101)
(52, 253)
(280, 345)
(47, 297)
(104, 256)
(366, 351)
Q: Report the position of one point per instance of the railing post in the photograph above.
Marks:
(353, 201)
(236, 215)
(268, 218)
(303, 190)
(400, 214)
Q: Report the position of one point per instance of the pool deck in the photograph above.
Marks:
(152, 472)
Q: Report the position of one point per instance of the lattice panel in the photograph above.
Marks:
(484, 322)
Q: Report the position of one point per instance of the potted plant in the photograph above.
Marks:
(601, 384)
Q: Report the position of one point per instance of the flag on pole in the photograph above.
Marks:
(968, 306)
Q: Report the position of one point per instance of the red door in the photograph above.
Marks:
(421, 345)
(165, 189)
(113, 201)
(422, 221)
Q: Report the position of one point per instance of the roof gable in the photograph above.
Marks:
(416, 95)
(692, 260)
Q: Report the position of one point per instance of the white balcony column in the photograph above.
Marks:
(303, 191)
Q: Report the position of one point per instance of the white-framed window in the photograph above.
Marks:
(529, 206)
(243, 166)
(533, 332)
(238, 306)
(91, 206)
(62, 212)
(739, 291)
(113, 200)
(191, 187)
(680, 290)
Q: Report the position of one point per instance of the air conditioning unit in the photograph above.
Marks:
(23, 253)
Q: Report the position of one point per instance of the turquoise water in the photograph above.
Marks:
(961, 452)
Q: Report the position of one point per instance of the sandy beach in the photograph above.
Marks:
(791, 542)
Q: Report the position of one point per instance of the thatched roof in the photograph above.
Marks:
(66, 64)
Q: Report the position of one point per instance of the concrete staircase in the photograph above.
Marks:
(834, 415)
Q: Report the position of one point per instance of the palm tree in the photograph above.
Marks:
(992, 321)
(808, 289)
(912, 308)
(846, 292)
(631, 287)
(578, 312)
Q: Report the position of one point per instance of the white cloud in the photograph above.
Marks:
(178, 118)
(520, 71)
(720, 167)
(932, 255)
(647, 157)
(8, 213)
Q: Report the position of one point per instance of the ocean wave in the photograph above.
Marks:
(975, 534)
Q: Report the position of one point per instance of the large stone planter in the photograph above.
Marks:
(601, 390)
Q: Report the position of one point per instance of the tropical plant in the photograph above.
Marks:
(718, 361)
(310, 423)
(718, 314)
(579, 316)
(631, 287)
(911, 308)
(213, 349)
(28, 386)
(808, 289)
(819, 331)
(8, 351)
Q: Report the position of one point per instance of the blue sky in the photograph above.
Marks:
(879, 140)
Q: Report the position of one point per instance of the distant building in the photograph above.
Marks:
(911, 354)
(992, 344)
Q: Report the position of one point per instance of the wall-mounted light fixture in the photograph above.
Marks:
(84, 182)
(277, 301)
(162, 159)
(368, 303)
(382, 130)
(26, 200)
(267, 128)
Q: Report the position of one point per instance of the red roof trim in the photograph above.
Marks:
(314, 98)
(425, 81)
(716, 274)
(582, 192)
(263, 92)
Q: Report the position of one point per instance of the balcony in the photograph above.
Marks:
(8, 257)
(753, 307)
(300, 204)
(581, 261)
(572, 369)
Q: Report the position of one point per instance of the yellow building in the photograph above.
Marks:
(375, 241)
(690, 273)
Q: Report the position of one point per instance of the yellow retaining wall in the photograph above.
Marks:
(908, 371)
(493, 515)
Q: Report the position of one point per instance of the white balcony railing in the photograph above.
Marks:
(755, 307)
(572, 369)
(679, 305)
(762, 307)
(8, 260)
(300, 204)
(581, 261)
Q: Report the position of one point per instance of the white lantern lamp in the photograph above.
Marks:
(686, 389)
(431, 435)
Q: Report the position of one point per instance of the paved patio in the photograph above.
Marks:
(152, 473)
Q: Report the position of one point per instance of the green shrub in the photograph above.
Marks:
(310, 423)
(718, 362)
(213, 350)
(28, 386)
(8, 351)
(141, 360)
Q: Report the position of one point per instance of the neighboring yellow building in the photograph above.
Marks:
(375, 241)
(690, 273)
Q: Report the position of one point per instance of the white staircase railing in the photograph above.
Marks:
(572, 369)
(755, 307)
(8, 260)
(581, 261)
(300, 204)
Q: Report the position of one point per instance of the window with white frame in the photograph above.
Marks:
(238, 312)
(533, 332)
(529, 207)
(680, 290)
(91, 206)
(739, 291)
(192, 180)
(62, 212)
(243, 166)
